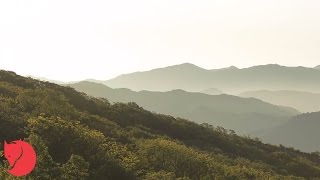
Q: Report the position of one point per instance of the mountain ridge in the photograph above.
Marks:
(301, 131)
(301, 100)
(232, 81)
(223, 110)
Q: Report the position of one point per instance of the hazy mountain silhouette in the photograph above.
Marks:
(212, 91)
(49, 80)
(241, 114)
(226, 69)
(230, 80)
(302, 101)
(317, 67)
(300, 132)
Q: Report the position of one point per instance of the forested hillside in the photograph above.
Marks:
(81, 137)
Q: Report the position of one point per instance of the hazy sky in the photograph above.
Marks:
(77, 39)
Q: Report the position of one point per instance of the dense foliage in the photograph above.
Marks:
(81, 137)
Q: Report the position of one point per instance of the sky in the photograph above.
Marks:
(72, 40)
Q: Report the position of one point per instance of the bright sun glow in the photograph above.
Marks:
(79, 39)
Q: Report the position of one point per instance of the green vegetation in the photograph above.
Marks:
(81, 137)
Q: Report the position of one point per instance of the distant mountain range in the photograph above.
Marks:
(230, 80)
(212, 91)
(263, 113)
(48, 80)
(244, 115)
(302, 101)
(301, 132)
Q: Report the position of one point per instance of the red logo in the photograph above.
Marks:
(21, 157)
